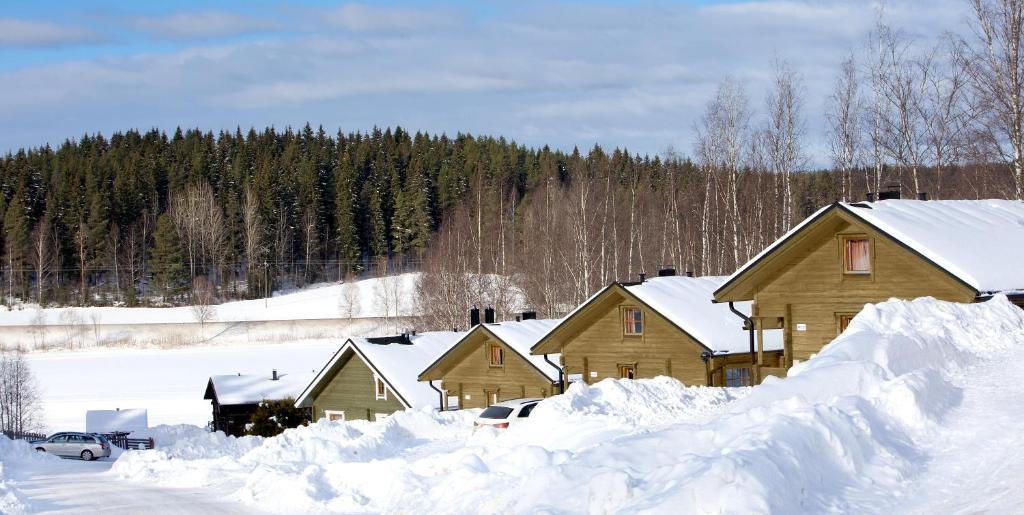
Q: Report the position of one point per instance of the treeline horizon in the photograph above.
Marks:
(196, 217)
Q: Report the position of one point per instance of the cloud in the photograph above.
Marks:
(539, 73)
(365, 18)
(29, 34)
(201, 24)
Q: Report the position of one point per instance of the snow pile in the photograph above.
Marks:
(297, 471)
(16, 455)
(846, 432)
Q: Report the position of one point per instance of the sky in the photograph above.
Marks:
(633, 74)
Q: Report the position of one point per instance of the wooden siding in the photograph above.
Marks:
(471, 374)
(807, 287)
(598, 345)
(351, 389)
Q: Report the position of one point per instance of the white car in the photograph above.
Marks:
(502, 414)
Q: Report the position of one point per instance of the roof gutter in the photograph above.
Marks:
(440, 396)
(750, 325)
(561, 381)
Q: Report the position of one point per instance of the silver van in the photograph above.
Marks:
(75, 445)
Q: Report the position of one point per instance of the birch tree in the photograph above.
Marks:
(995, 66)
(843, 116)
(784, 133)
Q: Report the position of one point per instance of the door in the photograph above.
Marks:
(57, 445)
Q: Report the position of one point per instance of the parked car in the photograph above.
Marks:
(86, 446)
(502, 414)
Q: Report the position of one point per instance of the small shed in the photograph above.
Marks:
(116, 420)
(235, 397)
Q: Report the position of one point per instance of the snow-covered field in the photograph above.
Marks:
(169, 382)
(915, 409)
(360, 308)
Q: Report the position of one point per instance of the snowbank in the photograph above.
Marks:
(845, 432)
(17, 455)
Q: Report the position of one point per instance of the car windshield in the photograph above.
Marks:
(496, 412)
(102, 439)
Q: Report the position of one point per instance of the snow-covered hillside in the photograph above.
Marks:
(368, 307)
(914, 409)
(368, 298)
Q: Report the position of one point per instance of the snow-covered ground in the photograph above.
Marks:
(169, 382)
(360, 308)
(915, 409)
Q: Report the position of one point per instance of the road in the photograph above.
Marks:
(74, 486)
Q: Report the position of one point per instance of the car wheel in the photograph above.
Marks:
(87, 455)
(40, 449)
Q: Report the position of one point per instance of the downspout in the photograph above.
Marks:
(561, 381)
(750, 323)
(440, 396)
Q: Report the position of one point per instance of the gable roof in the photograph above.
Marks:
(979, 243)
(687, 304)
(518, 336)
(236, 389)
(396, 364)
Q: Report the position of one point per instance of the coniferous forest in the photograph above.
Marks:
(147, 218)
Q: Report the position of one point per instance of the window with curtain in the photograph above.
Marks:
(497, 356)
(857, 256)
(380, 390)
(632, 323)
(844, 321)
(627, 371)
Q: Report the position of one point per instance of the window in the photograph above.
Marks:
(627, 371)
(525, 412)
(380, 389)
(843, 321)
(737, 376)
(496, 412)
(857, 255)
(491, 396)
(632, 322)
(334, 415)
(496, 356)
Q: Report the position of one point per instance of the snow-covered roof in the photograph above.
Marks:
(520, 336)
(251, 389)
(687, 303)
(977, 241)
(397, 364)
(109, 420)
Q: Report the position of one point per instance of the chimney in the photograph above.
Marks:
(891, 194)
(643, 277)
(869, 196)
(922, 195)
(689, 273)
(667, 272)
(474, 317)
(529, 315)
(489, 315)
(273, 375)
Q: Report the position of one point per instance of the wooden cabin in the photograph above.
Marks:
(664, 326)
(236, 397)
(492, 363)
(371, 378)
(816, 278)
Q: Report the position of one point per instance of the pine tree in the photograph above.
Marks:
(167, 262)
(15, 246)
(344, 212)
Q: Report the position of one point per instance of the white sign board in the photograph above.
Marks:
(593, 374)
(801, 327)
